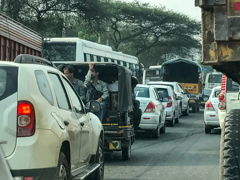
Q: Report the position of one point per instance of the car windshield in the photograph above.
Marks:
(215, 78)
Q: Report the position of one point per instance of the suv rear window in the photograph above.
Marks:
(163, 93)
(8, 81)
(142, 92)
(232, 86)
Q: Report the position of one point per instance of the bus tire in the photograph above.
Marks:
(230, 146)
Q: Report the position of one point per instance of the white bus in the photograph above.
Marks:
(65, 50)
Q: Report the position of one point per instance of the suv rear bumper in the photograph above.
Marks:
(37, 174)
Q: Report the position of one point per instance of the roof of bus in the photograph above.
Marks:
(88, 44)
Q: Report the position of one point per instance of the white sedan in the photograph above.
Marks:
(153, 117)
(211, 111)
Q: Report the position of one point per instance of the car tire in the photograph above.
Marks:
(163, 129)
(126, 152)
(177, 120)
(63, 167)
(171, 123)
(230, 146)
(156, 133)
(186, 112)
(98, 158)
(207, 130)
(180, 111)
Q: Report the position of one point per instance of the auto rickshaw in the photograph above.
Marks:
(119, 120)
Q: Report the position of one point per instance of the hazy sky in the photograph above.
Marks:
(184, 6)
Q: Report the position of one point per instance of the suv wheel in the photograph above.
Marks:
(163, 129)
(63, 168)
(172, 122)
(99, 158)
(177, 119)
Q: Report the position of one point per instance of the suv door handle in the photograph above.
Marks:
(66, 123)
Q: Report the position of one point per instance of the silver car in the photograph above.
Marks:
(169, 100)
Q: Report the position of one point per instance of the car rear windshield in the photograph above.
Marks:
(232, 86)
(8, 81)
(215, 78)
(216, 93)
(142, 92)
(163, 93)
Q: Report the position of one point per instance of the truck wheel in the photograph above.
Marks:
(230, 146)
(126, 152)
(194, 109)
(186, 112)
(63, 167)
(98, 158)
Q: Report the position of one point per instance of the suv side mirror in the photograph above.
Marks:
(179, 98)
(93, 106)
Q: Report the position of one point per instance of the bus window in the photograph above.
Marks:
(88, 58)
(130, 66)
(112, 60)
(91, 58)
(105, 59)
(125, 64)
(98, 59)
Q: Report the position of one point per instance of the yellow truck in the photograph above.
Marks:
(189, 75)
(221, 50)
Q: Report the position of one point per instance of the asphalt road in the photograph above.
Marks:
(184, 152)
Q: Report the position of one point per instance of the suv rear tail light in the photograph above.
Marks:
(221, 97)
(25, 119)
(150, 108)
(209, 106)
(169, 104)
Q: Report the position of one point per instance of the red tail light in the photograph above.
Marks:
(150, 107)
(169, 104)
(221, 96)
(26, 119)
(209, 106)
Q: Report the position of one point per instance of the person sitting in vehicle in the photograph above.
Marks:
(77, 84)
(96, 89)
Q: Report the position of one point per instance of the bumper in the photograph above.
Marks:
(211, 118)
(221, 117)
(37, 174)
(149, 121)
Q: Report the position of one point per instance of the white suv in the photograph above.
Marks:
(45, 130)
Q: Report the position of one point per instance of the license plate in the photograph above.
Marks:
(192, 101)
(115, 145)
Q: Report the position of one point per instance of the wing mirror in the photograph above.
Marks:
(179, 98)
(93, 106)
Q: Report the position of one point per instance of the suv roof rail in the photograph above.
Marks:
(30, 59)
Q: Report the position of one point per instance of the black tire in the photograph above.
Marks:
(126, 152)
(186, 112)
(156, 133)
(194, 109)
(99, 158)
(63, 167)
(163, 129)
(230, 147)
(177, 120)
(198, 109)
(171, 123)
(208, 130)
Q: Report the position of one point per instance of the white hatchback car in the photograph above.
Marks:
(45, 130)
(153, 117)
(211, 110)
(170, 102)
(183, 103)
